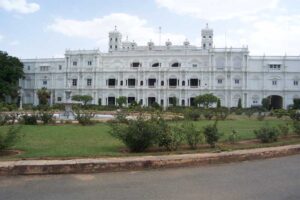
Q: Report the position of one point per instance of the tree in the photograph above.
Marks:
(266, 103)
(43, 95)
(11, 70)
(206, 100)
(219, 103)
(121, 101)
(83, 98)
(174, 101)
(240, 103)
(296, 104)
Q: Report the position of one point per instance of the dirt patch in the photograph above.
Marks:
(7, 153)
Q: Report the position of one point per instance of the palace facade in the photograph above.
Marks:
(154, 73)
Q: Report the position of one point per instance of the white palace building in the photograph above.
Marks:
(154, 73)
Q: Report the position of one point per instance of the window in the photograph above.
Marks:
(44, 82)
(136, 64)
(59, 67)
(156, 65)
(59, 98)
(210, 36)
(237, 81)
(162, 83)
(220, 81)
(175, 64)
(151, 82)
(204, 37)
(74, 82)
(28, 67)
(195, 65)
(44, 68)
(274, 82)
(89, 63)
(172, 82)
(296, 83)
(116, 39)
(74, 63)
(131, 82)
(116, 47)
(121, 83)
(255, 102)
(142, 83)
(110, 46)
(183, 83)
(112, 82)
(204, 46)
(275, 67)
(110, 39)
(194, 82)
(89, 82)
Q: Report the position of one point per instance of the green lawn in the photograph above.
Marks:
(91, 141)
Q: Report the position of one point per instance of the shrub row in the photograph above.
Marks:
(143, 132)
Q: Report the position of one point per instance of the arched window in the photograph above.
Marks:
(176, 64)
(156, 64)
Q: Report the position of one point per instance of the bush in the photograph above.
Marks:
(296, 125)
(138, 135)
(239, 111)
(208, 114)
(233, 137)
(192, 114)
(84, 118)
(30, 119)
(8, 138)
(172, 139)
(279, 113)
(261, 116)
(212, 134)
(4, 119)
(267, 134)
(294, 115)
(46, 117)
(221, 113)
(193, 136)
(284, 129)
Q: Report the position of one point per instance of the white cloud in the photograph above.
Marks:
(97, 29)
(217, 9)
(273, 36)
(19, 6)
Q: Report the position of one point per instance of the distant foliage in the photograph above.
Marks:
(43, 95)
(84, 118)
(82, 98)
(240, 103)
(206, 100)
(30, 119)
(46, 117)
(192, 114)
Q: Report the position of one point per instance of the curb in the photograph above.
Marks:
(43, 167)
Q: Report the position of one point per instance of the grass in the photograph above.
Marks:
(95, 141)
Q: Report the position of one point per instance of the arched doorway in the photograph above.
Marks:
(276, 102)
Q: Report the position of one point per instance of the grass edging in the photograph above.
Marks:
(42, 167)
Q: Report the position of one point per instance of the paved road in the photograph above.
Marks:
(275, 179)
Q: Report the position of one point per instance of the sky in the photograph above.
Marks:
(46, 28)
